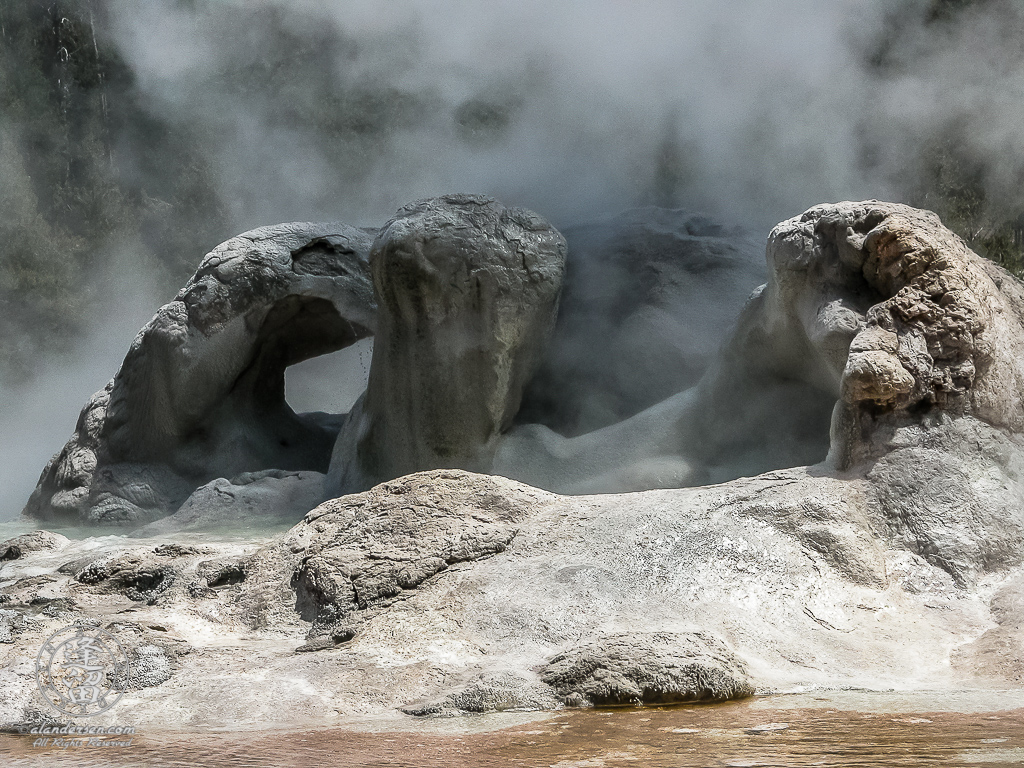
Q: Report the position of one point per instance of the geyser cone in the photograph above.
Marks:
(467, 293)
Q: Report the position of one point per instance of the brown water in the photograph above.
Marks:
(743, 734)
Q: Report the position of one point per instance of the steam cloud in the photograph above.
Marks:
(766, 109)
(751, 112)
(38, 417)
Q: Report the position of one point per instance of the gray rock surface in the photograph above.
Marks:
(490, 692)
(468, 293)
(897, 562)
(11, 624)
(889, 312)
(999, 652)
(873, 317)
(635, 668)
(952, 491)
(447, 592)
(649, 297)
(35, 541)
(199, 399)
(365, 550)
(251, 500)
(200, 394)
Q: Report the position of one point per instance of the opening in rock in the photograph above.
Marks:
(329, 383)
(144, 580)
(228, 576)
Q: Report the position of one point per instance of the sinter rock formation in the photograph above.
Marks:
(467, 294)
(200, 394)
(465, 316)
(649, 297)
(874, 317)
(893, 559)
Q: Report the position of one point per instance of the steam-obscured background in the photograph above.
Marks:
(135, 136)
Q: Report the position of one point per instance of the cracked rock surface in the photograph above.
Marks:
(366, 550)
(446, 592)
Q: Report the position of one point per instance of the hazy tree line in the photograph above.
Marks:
(88, 168)
(84, 169)
(948, 177)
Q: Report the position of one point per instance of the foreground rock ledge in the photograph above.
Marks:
(447, 592)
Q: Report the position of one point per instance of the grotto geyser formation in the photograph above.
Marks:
(467, 295)
(462, 298)
(874, 316)
(832, 493)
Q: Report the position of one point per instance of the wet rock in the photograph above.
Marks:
(862, 570)
(998, 654)
(633, 669)
(55, 607)
(212, 575)
(222, 573)
(21, 591)
(874, 317)
(491, 692)
(758, 730)
(832, 520)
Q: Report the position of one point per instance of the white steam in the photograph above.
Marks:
(775, 104)
(38, 417)
(769, 100)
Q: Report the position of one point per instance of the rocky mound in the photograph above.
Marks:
(448, 592)
(874, 318)
(467, 293)
(635, 668)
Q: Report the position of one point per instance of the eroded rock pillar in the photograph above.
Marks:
(467, 293)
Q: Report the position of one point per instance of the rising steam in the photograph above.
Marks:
(331, 110)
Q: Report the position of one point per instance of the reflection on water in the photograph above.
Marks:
(743, 734)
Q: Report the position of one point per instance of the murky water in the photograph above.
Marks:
(747, 734)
